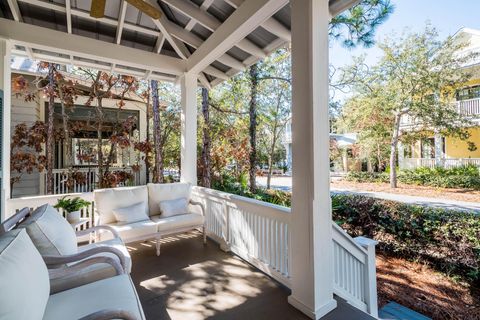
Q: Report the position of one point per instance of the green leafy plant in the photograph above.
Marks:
(448, 240)
(71, 205)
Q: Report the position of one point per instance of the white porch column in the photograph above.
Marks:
(311, 239)
(188, 83)
(5, 101)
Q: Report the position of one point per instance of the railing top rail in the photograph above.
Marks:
(281, 213)
(348, 242)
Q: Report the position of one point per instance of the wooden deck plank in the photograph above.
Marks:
(192, 281)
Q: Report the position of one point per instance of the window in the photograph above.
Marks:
(468, 93)
(85, 151)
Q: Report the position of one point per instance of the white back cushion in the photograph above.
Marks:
(50, 232)
(169, 208)
(106, 200)
(130, 214)
(24, 281)
(166, 191)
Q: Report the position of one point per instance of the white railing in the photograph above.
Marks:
(412, 163)
(259, 233)
(16, 204)
(256, 231)
(355, 278)
(469, 107)
(61, 185)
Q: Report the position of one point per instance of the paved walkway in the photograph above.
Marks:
(285, 184)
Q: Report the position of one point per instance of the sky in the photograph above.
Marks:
(447, 16)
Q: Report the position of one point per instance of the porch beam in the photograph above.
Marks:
(212, 24)
(188, 84)
(242, 21)
(338, 6)
(194, 41)
(71, 44)
(312, 270)
(5, 107)
(271, 24)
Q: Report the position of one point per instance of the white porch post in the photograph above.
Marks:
(188, 83)
(5, 97)
(311, 240)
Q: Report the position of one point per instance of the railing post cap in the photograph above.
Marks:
(365, 242)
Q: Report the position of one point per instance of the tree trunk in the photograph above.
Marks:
(206, 140)
(253, 127)
(157, 135)
(50, 139)
(393, 152)
(101, 173)
(66, 132)
(147, 162)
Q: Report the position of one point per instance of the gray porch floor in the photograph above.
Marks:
(192, 281)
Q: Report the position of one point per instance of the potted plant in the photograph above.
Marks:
(72, 207)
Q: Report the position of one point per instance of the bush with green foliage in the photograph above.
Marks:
(459, 177)
(71, 205)
(447, 240)
(240, 187)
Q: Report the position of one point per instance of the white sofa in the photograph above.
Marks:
(25, 287)
(154, 224)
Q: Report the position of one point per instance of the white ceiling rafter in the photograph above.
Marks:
(60, 44)
(211, 23)
(226, 60)
(164, 25)
(271, 24)
(86, 15)
(121, 21)
(68, 12)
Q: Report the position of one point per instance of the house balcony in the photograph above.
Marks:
(469, 108)
(413, 163)
(244, 270)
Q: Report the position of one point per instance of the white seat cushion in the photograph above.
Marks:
(106, 200)
(131, 231)
(130, 214)
(24, 284)
(170, 224)
(50, 232)
(170, 208)
(117, 293)
(94, 272)
(166, 191)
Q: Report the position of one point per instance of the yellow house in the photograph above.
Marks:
(447, 151)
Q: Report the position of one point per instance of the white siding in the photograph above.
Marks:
(25, 112)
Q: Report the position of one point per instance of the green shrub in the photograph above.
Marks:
(467, 177)
(230, 185)
(448, 240)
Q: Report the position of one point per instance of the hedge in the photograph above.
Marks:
(462, 177)
(447, 240)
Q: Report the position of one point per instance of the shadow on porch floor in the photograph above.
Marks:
(192, 281)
